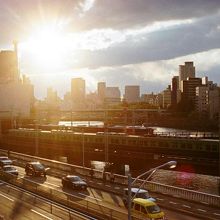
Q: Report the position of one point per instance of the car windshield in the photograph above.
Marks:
(39, 166)
(153, 209)
(75, 178)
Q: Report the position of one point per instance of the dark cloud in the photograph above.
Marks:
(202, 35)
(125, 14)
(18, 16)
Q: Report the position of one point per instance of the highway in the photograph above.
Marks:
(109, 197)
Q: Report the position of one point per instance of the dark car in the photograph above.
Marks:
(10, 170)
(140, 193)
(3, 158)
(35, 169)
(73, 182)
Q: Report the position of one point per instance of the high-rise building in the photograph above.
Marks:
(132, 93)
(186, 71)
(174, 90)
(113, 92)
(101, 90)
(189, 89)
(9, 65)
(112, 95)
(16, 94)
(166, 97)
(202, 99)
(78, 92)
(214, 102)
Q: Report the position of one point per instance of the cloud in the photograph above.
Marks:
(165, 43)
(17, 18)
(120, 14)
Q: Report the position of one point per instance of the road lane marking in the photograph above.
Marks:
(218, 214)
(187, 206)
(41, 214)
(173, 202)
(160, 199)
(7, 197)
(201, 210)
(52, 184)
(90, 197)
(108, 186)
(117, 187)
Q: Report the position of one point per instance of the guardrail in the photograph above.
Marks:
(49, 206)
(61, 169)
(65, 199)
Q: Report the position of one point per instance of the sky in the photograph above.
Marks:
(121, 42)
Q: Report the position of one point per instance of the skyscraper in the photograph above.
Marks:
(101, 90)
(9, 65)
(174, 91)
(186, 71)
(78, 92)
(132, 93)
(189, 90)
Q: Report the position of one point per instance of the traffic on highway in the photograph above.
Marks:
(93, 195)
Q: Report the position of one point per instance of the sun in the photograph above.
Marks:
(47, 48)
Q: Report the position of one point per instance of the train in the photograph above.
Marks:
(122, 141)
(136, 130)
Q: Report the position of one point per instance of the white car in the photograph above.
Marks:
(10, 170)
(4, 160)
(140, 193)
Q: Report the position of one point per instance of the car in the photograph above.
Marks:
(140, 193)
(3, 158)
(146, 209)
(10, 170)
(35, 169)
(5, 161)
(73, 182)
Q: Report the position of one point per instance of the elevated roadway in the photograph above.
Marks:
(106, 194)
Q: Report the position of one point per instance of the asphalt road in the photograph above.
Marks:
(114, 201)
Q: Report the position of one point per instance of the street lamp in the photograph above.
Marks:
(170, 164)
(83, 147)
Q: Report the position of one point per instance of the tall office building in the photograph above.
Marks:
(78, 93)
(9, 65)
(16, 93)
(101, 90)
(132, 93)
(186, 71)
(202, 99)
(174, 90)
(167, 97)
(113, 92)
(189, 89)
(112, 96)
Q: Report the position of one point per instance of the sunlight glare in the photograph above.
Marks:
(47, 48)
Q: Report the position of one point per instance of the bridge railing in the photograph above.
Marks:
(61, 169)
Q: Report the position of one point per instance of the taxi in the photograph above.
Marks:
(146, 209)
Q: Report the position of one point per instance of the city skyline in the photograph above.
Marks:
(137, 47)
